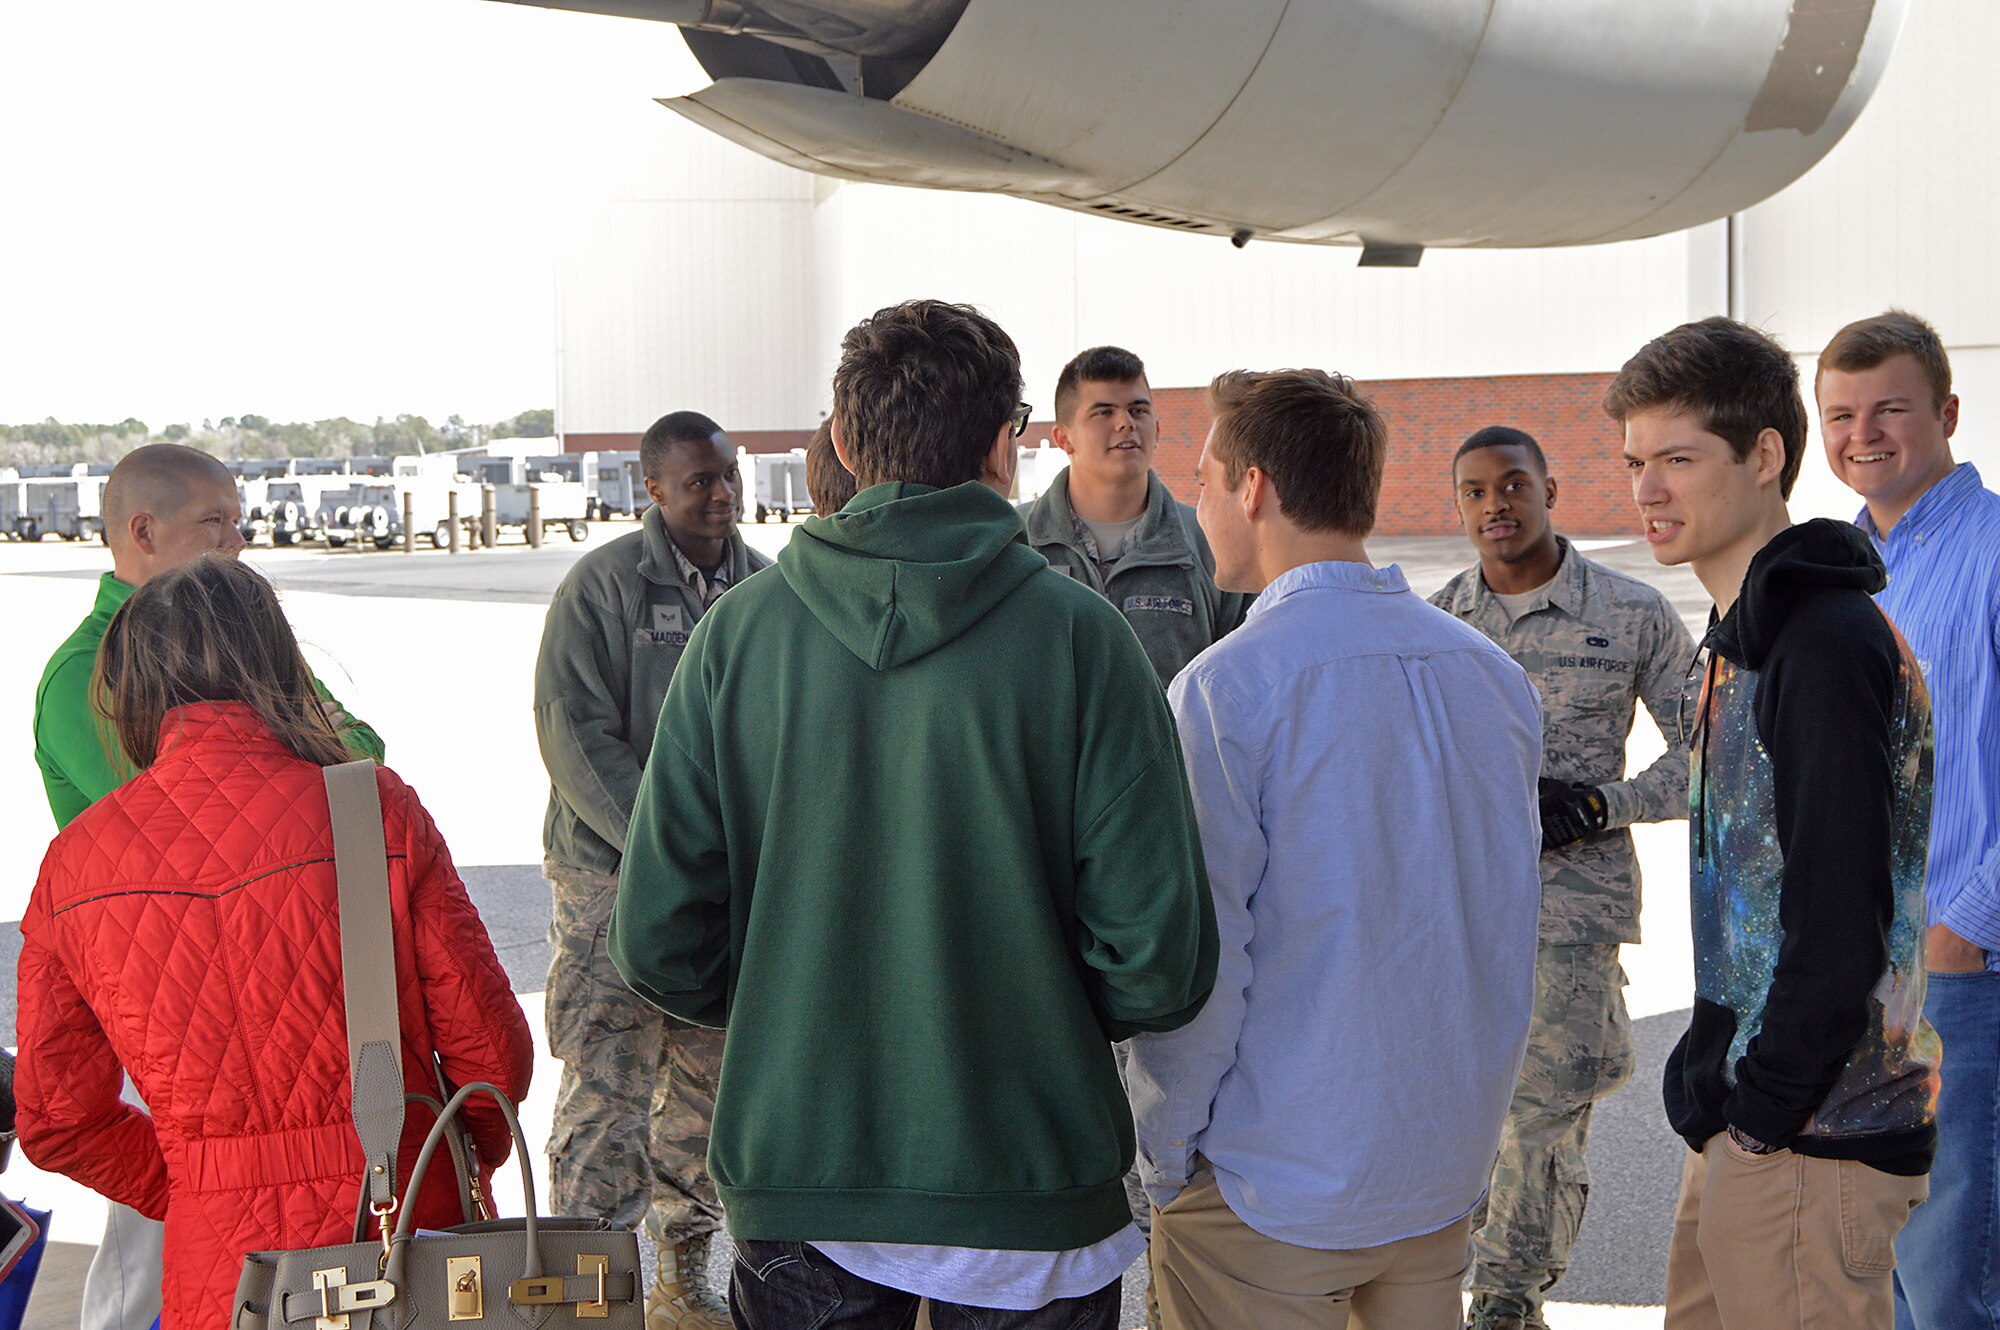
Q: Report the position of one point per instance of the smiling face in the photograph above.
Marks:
(1113, 435)
(1887, 438)
(1504, 496)
(1697, 499)
(698, 491)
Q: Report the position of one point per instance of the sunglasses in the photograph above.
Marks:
(1019, 420)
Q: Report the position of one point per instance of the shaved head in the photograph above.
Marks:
(164, 504)
(158, 478)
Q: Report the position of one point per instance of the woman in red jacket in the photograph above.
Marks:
(186, 928)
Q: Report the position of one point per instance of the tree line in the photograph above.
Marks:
(54, 442)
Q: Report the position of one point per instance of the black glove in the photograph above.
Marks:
(1570, 811)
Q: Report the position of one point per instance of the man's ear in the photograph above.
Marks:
(1059, 435)
(653, 492)
(1549, 501)
(1770, 455)
(1255, 493)
(840, 448)
(996, 469)
(1948, 413)
(141, 527)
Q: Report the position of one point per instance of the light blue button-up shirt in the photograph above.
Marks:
(1944, 594)
(1363, 769)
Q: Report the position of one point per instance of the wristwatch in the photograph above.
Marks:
(1750, 1144)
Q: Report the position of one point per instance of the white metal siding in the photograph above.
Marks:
(718, 280)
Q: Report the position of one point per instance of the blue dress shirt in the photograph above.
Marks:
(1363, 769)
(1944, 594)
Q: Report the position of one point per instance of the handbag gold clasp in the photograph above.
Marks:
(600, 1309)
(480, 1210)
(467, 1301)
(541, 1291)
(384, 1212)
(325, 1281)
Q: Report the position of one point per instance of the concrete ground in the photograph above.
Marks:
(437, 652)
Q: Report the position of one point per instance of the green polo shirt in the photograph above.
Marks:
(76, 748)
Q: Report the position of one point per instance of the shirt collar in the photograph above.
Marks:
(1051, 520)
(661, 561)
(1329, 575)
(1932, 508)
(1564, 590)
(111, 593)
(705, 587)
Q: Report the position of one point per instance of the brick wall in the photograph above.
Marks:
(1428, 419)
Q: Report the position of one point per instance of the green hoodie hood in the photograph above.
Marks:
(906, 568)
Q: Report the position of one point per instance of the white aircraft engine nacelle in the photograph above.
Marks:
(1390, 123)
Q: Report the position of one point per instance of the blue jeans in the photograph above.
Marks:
(793, 1286)
(1948, 1255)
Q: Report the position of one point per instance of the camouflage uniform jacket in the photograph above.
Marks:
(1596, 642)
(616, 629)
(1164, 582)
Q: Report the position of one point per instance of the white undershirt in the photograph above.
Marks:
(1517, 603)
(1019, 1281)
(1111, 538)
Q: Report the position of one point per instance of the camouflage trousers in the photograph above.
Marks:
(1579, 1050)
(637, 1092)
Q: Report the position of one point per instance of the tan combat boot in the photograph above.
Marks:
(680, 1299)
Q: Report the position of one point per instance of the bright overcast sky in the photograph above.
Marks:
(213, 207)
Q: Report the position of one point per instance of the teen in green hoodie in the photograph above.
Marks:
(926, 850)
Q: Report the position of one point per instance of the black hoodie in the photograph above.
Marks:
(1809, 822)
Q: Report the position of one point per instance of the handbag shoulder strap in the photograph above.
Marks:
(368, 973)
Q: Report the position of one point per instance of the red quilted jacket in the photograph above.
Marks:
(186, 926)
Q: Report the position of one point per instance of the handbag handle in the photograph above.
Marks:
(465, 1164)
(368, 977)
(464, 1161)
(399, 1245)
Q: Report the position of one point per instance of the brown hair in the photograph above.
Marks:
(1100, 364)
(1866, 343)
(1734, 380)
(209, 631)
(830, 483)
(1322, 444)
(922, 389)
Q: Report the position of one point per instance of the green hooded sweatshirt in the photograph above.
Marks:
(917, 831)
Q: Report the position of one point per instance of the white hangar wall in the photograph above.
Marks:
(1905, 211)
(697, 274)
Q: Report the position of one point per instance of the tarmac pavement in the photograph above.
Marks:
(437, 652)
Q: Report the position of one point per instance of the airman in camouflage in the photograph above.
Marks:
(630, 1139)
(1110, 523)
(1596, 643)
(608, 1160)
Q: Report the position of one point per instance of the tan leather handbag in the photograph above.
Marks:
(531, 1272)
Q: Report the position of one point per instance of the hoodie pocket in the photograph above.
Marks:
(1695, 1087)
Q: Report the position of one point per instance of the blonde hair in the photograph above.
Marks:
(209, 631)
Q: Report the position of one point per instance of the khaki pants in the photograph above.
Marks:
(1210, 1269)
(1768, 1242)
